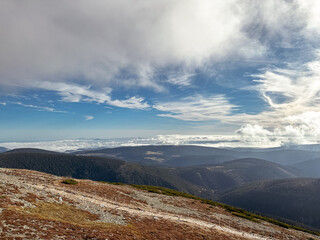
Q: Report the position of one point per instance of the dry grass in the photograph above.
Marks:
(66, 214)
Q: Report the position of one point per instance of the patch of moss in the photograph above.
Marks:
(113, 183)
(165, 191)
(248, 217)
(69, 181)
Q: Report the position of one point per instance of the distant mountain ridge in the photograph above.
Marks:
(169, 155)
(94, 168)
(293, 199)
(235, 173)
(30, 150)
(190, 155)
(182, 156)
(309, 168)
(207, 180)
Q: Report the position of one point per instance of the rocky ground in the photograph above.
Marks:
(35, 205)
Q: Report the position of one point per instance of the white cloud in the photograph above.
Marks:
(291, 92)
(292, 115)
(257, 136)
(293, 98)
(88, 118)
(3, 103)
(183, 80)
(77, 93)
(132, 102)
(39, 108)
(97, 41)
(197, 108)
(311, 8)
(64, 145)
(251, 137)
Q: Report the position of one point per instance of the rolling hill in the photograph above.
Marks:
(96, 168)
(2, 149)
(235, 173)
(207, 181)
(310, 168)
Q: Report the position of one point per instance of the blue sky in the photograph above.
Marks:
(106, 69)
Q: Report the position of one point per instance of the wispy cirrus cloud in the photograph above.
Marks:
(292, 114)
(182, 80)
(88, 117)
(79, 93)
(197, 108)
(39, 108)
(293, 98)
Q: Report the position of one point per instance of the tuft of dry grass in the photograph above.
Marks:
(70, 181)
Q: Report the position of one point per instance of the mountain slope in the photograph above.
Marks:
(2, 149)
(310, 168)
(235, 173)
(293, 199)
(30, 150)
(205, 181)
(39, 206)
(100, 169)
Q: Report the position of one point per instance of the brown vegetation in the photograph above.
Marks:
(34, 205)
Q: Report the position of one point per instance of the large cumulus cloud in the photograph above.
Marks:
(104, 42)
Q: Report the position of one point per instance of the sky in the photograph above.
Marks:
(244, 72)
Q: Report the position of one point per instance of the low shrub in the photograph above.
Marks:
(69, 181)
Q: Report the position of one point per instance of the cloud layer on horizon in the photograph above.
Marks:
(218, 141)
